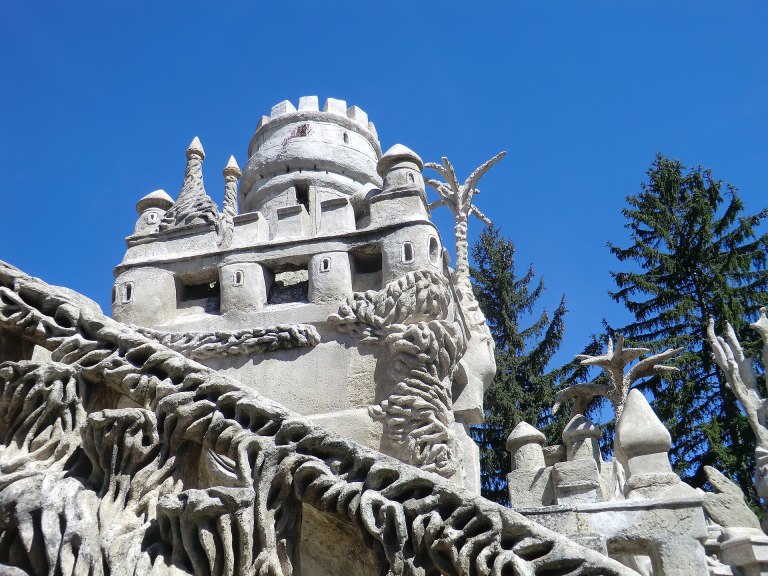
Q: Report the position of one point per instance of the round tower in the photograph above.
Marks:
(151, 210)
(304, 156)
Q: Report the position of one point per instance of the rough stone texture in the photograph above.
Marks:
(204, 476)
(726, 506)
(328, 222)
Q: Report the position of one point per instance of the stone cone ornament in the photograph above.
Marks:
(194, 206)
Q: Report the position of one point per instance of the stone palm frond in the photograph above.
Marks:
(458, 198)
(614, 363)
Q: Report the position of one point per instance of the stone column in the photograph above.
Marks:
(529, 481)
(330, 278)
(577, 480)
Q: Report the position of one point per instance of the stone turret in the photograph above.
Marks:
(299, 158)
(151, 210)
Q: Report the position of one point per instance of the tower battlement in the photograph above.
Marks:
(335, 148)
(307, 104)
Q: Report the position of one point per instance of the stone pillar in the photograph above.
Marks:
(644, 442)
(330, 278)
(679, 557)
(525, 446)
(244, 287)
(581, 437)
(577, 480)
(529, 481)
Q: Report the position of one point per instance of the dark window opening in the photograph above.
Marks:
(433, 250)
(205, 294)
(290, 284)
(366, 268)
(127, 292)
(346, 138)
(407, 252)
(325, 265)
(199, 291)
(302, 194)
(114, 294)
(237, 278)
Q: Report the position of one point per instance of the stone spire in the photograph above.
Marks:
(193, 206)
(231, 176)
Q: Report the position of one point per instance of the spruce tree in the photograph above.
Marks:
(694, 255)
(523, 389)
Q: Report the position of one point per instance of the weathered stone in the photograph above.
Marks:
(202, 475)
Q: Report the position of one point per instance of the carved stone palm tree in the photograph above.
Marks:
(613, 363)
(458, 198)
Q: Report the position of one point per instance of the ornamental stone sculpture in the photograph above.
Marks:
(285, 387)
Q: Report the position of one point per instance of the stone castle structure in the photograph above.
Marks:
(285, 388)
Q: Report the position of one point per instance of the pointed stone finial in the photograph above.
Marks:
(524, 433)
(643, 442)
(196, 148)
(193, 206)
(232, 169)
(639, 431)
(525, 446)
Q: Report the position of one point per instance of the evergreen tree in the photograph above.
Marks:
(522, 388)
(694, 255)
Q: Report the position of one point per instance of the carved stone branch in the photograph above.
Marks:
(218, 343)
(614, 363)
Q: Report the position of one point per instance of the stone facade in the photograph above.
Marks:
(324, 218)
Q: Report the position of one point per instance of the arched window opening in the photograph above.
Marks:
(237, 278)
(346, 138)
(127, 292)
(434, 250)
(407, 252)
(325, 265)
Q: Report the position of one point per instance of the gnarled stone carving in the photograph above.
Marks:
(218, 343)
(742, 380)
(410, 316)
(202, 475)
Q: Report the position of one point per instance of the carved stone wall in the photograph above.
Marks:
(197, 474)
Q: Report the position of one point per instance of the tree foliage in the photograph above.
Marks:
(523, 389)
(694, 255)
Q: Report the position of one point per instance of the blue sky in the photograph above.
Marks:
(100, 99)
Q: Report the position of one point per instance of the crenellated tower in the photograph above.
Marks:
(324, 235)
